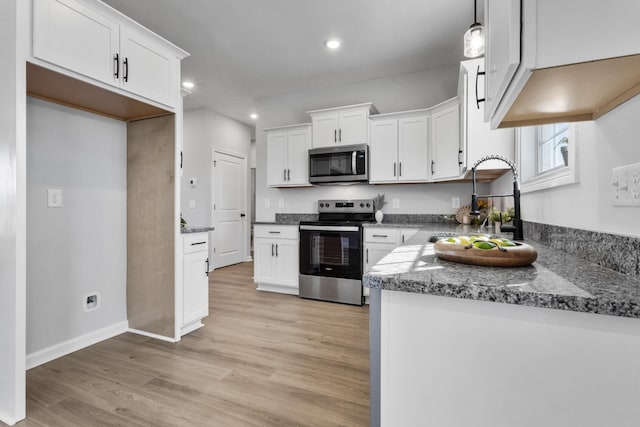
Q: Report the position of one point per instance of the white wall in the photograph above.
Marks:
(398, 93)
(13, 24)
(204, 129)
(608, 142)
(80, 247)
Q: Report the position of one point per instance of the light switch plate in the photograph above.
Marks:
(192, 204)
(54, 198)
(396, 203)
(455, 202)
(280, 203)
(267, 203)
(626, 185)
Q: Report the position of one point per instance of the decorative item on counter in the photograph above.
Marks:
(378, 203)
(463, 212)
(487, 250)
(183, 222)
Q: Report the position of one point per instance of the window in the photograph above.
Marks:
(546, 156)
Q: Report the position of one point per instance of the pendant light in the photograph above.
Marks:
(474, 37)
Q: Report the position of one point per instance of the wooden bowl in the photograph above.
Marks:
(515, 256)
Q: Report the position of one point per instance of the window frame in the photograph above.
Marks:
(557, 177)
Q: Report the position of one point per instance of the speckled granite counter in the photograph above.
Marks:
(187, 230)
(556, 280)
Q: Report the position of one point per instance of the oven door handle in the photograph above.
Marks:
(328, 228)
(354, 165)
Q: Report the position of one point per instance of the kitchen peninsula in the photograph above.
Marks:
(552, 344)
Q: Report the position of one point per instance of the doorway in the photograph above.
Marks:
(228, 207)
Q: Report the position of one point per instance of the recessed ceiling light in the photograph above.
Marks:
(332, 44)
(254, 116)
(188, 85)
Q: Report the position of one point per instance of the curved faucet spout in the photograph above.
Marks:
(516, 228)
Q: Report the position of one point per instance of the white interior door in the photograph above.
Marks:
(229, 198)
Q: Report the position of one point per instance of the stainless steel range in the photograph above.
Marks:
(331, 251)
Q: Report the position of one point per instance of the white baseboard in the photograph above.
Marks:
(191, 327)
(277, 288)
(62, 349)
(4, 418)
(248, 259)
(151, 335)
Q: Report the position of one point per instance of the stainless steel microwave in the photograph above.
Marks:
(339, 165)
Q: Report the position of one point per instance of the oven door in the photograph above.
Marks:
(331, 251)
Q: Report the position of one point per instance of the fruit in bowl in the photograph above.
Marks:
(482, 249)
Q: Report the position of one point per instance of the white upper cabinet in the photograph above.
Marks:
(89, 40)
(552, 61)
(399, 148)
(288, 155)
(77, 38)
(478, 140)
(341, 125)
(148, 69)
(445, 141)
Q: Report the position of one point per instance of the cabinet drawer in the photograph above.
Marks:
(196, 242)
(382, 235)
(276, 231)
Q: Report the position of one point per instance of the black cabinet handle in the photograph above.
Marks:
(367, 262)
(125, 66)
(117, 60)
(181, 158)
(400, 169)
(272, 246)
(276, 250)
(432, 167)
(284, 174)
(380, 235)
(274, 232)
(459, 159)
(207, 270)
(340, 135)
(288, 174)
(198, 243)
(394, 168)
(335, 135)
(479, 100)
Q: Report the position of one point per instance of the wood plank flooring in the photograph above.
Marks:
(262, 359)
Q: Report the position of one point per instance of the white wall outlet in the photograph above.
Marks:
(280, 203)
(626, 185)
(455, 202)
(267, 203)
(91, 302)
(192, 204)
(395, 203)
(54, 198)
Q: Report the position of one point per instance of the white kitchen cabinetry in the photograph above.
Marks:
(276, 258)
(195, 296)
(478, 140)
(399, 149)
(341, 125)
(288, 155)
(544, 67)
(89, 39)
(445, 141)
(407, 233)
(378, 242)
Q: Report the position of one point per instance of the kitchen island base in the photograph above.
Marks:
(458, 362)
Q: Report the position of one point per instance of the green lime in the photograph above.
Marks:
(484, 245)
(453, 240)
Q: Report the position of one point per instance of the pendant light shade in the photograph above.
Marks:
(474, 38)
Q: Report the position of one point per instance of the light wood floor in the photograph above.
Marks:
(262, 359)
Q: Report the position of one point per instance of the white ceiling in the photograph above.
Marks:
(243, 50)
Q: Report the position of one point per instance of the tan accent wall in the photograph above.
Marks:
(150, 225)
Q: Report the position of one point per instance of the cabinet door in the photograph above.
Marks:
(276, 158)
(383, 151)
(325, 129)
(73, 36)
(148, 69)
(287, 262)
(445, 143)
(263, 266)
(353, 127)
(407, 233)
(196, 287)
(413, 148)
(298, 144)
(502, 55)
(373, 253)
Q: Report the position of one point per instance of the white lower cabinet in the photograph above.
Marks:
(276, 258)
(195, 295)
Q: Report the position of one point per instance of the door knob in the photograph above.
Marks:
(242, 215)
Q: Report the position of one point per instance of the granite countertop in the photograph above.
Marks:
(556, 280)
(193, 229)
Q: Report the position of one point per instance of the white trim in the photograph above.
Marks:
(55, 351)
(372, 108)
(248, 259)
(151, 335)
(5, 418)
(246, 230)
(287, 127)
(191, 327)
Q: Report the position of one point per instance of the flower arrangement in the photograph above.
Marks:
(378, 202)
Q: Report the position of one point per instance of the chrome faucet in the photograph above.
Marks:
(516, 228)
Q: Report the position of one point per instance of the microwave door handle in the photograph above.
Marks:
(354, 165)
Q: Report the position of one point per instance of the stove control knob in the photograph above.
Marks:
(362, 205)
(322, 205)
(368, 205)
